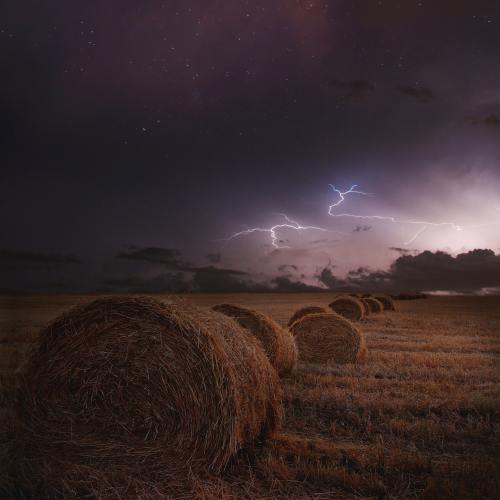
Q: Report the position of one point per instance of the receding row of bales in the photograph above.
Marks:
(355, 307)
(127, 389)
(325, 336)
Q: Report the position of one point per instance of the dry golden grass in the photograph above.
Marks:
(419, 419)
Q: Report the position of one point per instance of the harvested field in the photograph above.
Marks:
(420, 418)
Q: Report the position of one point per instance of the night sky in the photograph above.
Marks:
(139, 137)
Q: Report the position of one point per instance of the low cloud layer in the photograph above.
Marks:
(400, 250)
(168, 257)
(164, 270)
(427, 271)
(213, 258)
(288, 268)
(361, 229)
(212, 279)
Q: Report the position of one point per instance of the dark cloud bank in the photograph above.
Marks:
(165, 271)
(427, 271)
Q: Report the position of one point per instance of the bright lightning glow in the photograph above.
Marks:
(424, 224)
(288, 223)
(273, 231)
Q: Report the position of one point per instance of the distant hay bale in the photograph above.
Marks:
(374, 305)
(278, 343)
(349, 307)
(387, 302)
(304, 311)
(128, 387)
(366, 308)
(327, 337)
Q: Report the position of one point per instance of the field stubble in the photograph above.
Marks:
(419, 418)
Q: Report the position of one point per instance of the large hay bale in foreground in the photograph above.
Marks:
(386, 301)
(373, 305)
(327, 337)
(347, 306)
(304, 311)
(134, 387)
(278, 343)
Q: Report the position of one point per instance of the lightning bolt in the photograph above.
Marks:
(415, 236)
(343, 194)
(288, 223)
(273, 231)
(424, 224)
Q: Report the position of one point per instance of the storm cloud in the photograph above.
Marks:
(168, 257)
(211, 279)
(361, 229)
(427, 271)
(285, 284)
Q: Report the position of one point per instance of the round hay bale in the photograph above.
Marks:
(278, 343)
(366, 308)
(373, 305)
(387, 302)
(140, 388)
(327, 337)
(349, 307)
(304, 311)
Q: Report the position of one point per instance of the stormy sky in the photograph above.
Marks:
(143, 141)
